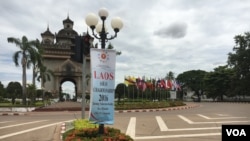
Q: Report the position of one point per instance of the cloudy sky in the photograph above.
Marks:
(158, 35)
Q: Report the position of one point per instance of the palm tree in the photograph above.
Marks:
(26, 51)
(36, 62)
(44, 76)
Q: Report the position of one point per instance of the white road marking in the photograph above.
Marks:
(161, 123)
(185, 119)
(221, 114)
(32, 129)
(131, 127)
(191, 122)
(163, 126)
(206, 117)
(192, 129)
(177, 136)
(22, 124)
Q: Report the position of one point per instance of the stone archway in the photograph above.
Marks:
(61, 56)
(74, 98)
(65, 71)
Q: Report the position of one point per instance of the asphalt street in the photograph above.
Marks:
(199, 123)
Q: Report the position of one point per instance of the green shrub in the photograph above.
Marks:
(148, 105)
(18, 102)
(81, 124)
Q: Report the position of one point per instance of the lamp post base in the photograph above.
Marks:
(101, 129)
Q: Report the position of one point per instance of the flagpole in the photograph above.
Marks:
(84, 86)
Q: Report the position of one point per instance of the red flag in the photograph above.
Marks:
(169, 84)
(163, 84)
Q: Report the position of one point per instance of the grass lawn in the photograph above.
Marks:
(147, 105)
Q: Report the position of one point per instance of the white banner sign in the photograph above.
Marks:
(102, 85)
(172, 94)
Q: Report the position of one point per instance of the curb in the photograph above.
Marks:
(230, 102)
(63, 128)
(12, 114)
(158, 110)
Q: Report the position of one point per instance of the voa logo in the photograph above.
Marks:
(236, 132)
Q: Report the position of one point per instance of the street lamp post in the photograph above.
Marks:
(92, 22)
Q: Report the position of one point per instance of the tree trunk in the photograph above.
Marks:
(24, 80)
(34, 76)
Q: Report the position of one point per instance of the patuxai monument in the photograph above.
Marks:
(63, 56)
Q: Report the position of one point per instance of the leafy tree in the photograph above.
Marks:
(132, 91)
(218, 82)
(170, 76)
(2, 90)
(31, 91)
(27, 49)
(110, 46)
(194, 80)
(14, 90)
(239, 60)
(39, 93)
(120, 91)
(48, 95)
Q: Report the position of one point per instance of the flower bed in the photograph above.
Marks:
(91, 134)
(85, 131)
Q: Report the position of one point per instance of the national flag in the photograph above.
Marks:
(178, 86)
(129, 80)
(144, 86)
(169, 84)
(163, 84)
(138, 82)
(141, 84)
(173, 85)
(158, 83)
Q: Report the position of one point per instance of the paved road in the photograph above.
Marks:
(196, 124)
(201, 123)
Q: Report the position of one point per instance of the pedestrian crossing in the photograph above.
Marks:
(211, 122)
(13, 128)
(195, 125)
(142, 128)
